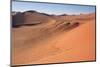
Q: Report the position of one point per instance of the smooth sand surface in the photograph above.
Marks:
(50, 43)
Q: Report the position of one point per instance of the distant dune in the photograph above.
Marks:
(40, 38)
(33, 17)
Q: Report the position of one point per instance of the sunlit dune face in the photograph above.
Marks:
(54, 41)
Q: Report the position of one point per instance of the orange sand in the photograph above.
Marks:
(73, 45)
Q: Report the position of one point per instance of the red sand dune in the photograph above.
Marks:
(54, 42)
(76, 45)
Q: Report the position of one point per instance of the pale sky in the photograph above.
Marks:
(51, 8)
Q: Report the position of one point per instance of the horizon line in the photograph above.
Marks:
(52, 14)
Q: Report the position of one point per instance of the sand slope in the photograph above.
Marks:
(53, 44)
(76, 45)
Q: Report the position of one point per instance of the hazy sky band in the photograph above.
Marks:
(52, 8)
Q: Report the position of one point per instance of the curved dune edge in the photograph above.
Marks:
(81, 44)
(75, 45)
